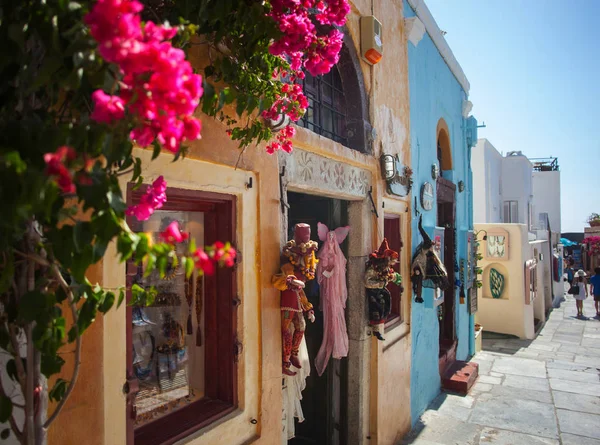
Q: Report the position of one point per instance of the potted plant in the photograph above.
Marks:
(594, 220)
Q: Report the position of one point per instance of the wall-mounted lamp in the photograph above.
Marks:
(461, 186)
(388, 166)
(484, 236)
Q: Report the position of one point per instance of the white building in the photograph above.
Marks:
(517, 195)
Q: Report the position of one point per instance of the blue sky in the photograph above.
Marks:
(534, 70)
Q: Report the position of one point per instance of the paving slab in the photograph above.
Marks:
(588, 361)
(576, 376)
(519, 366)
(592, 389)
(533, 383)
(497, 436)
(517, 393)
(581, 424)
(571, 439)
(577, 402)
(524, 416)
(444, 430)
(489, 379)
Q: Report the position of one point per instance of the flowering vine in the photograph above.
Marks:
(304, 47)
(593, 243)
(157, 87)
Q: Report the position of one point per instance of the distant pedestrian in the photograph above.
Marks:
(581, 282)
(595, 289)
(570, 273)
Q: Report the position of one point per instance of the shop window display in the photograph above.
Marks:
(168, 355)
(183, 353)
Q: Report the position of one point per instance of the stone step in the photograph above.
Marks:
(460, 376)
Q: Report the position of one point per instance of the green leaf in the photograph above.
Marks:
(156, 149)
(5, 409)
(13, 160)
(137, 169)
(121, 297)
(51, 364)
(107, 302)
(58, 390)
(189, 266)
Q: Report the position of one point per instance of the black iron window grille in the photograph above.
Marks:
(326, 112)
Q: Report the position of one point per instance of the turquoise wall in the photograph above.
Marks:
(434, 94)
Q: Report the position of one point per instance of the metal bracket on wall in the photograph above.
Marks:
(373, 202)
(284, 205)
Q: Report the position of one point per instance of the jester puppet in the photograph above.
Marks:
(298, 267)
(379, 272)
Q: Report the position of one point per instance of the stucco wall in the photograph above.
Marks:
(435, 94)
(546, 197)
(508, 314)
(516, 184)
(486, 164)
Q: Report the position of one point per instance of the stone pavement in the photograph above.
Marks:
(529, 392)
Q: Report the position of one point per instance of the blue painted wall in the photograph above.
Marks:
(434, 94)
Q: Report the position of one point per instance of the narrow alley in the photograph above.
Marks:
(532, 392)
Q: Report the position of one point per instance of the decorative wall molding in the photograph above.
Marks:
(311, 171)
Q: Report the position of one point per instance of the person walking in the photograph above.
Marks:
(595, 289)
(581, 282)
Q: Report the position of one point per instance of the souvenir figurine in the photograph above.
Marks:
(331, 275)
(298, 268)
(427, 269)
(379, 272)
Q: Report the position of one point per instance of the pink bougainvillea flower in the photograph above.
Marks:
(172, 234)
(56, 166)
(158, 84)
(203, 262)
(107, 109)
(153, 199)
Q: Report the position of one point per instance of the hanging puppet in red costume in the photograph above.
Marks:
(298, 268)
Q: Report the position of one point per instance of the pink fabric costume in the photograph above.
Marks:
(331, 276)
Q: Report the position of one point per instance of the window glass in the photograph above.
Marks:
(326, 113)
(168, 353)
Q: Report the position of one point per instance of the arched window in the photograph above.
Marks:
(444, 151)
(338, 104)
(326, 113)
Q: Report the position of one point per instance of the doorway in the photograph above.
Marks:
(324, 400)
(446, 216)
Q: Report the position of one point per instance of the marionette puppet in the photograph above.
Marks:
(379, 272)
(427, 269)
(298, 268)
(331, 276)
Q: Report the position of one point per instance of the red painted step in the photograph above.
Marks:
(460, 376)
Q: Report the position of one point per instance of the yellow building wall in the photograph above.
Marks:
(508, 314)
(98, 402)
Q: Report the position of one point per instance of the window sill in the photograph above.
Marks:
(170, 429)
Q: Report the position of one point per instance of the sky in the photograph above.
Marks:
(534, 70)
